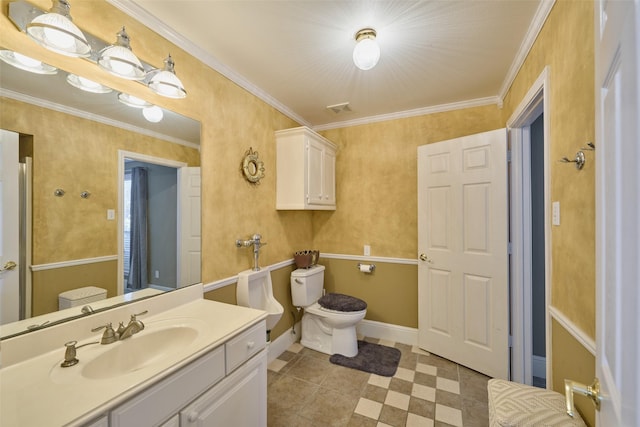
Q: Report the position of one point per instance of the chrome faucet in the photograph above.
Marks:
(257, 244)
(132, 328)
(110, 335)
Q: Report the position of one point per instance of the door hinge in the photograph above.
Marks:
(508, 155)
(509, 248)
(510, 341)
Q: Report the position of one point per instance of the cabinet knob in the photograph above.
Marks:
(250, 345)
(193, 416)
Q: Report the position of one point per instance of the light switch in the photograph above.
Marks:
(367, 250)
(555, 213)
(111, 214)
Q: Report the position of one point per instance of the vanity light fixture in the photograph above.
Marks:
(119, 60)
(165, 82)
(133, 101)
(153, 114)
(55, 31)
(87, 85)
(26, 63)
(367, 52)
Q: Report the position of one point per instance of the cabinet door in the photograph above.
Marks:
(238, 400)
(329, 177)
(315, 154)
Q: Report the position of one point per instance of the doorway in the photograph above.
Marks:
(530, 237)
(147, 223)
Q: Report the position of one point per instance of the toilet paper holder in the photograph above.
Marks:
(366, 268)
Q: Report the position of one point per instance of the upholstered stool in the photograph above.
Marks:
(512, 404)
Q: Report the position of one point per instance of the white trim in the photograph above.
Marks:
(278, 346)
(93, 117)
(581, 336)
(479, 102)
(212, 286)
(544, 8)
(370, 258)
(144, 17)
(536, 101)
(73, 263)
(387, 331)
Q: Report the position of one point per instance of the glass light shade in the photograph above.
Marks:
(87, 85)
(132, 101)
(153, 114)
(26, 63)
(56, 32)
(166, 83)
(119, 60)
(366, 54)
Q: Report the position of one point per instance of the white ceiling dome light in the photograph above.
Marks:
(367, 52)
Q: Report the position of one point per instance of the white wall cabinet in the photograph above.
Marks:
(306, 170)
(225, 387)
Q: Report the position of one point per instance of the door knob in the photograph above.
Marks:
(10, 265)
(424, 257)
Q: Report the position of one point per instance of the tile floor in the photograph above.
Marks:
(305, 389)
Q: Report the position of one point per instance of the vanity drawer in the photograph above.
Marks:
(245, 345)
(158, 403)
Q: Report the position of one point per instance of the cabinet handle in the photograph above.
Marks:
(250, 345)
(193, 416)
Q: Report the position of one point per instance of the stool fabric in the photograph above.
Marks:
(340, 302)
(512, 404)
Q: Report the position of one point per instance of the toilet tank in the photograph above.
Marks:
(307, 285)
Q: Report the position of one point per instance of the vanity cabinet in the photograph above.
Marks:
(305, 169)
(227, 386)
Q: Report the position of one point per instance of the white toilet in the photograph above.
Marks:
(255, 290)
(329, 321)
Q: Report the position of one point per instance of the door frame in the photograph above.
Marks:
(535, 102)
(122, 156)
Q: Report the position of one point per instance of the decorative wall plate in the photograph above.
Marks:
(252, 167)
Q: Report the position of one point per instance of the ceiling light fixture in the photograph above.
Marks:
(87, 85)
(153, 114)
(119, 60)
(166, 83)
(56, 32)
(26, 63)
(367, 52)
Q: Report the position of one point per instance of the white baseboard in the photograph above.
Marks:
(539, 366)
(388, 331)
(282, 343)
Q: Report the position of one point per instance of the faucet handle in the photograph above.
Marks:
(109, 336)
(133, 316)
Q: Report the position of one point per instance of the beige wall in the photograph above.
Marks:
(566, 45)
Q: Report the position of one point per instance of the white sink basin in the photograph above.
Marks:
(139, 351)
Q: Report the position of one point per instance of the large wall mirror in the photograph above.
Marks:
(95, 173)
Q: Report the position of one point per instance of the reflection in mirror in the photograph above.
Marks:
(69, 142)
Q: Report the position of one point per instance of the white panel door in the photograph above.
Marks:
(189, 226)
(462, 243)
(9, 212)
(618, 211)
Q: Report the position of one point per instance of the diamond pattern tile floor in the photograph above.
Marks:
(306, 390)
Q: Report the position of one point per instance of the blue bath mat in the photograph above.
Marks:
(373, 358)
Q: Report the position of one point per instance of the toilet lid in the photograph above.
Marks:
(340, 302)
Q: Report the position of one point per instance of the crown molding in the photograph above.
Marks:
(544, 8)
(144, 17)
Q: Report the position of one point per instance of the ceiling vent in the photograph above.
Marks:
(339, 108)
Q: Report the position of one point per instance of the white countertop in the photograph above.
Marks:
(36, 392)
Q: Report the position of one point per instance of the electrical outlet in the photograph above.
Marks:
(367, 250)
(156, 274)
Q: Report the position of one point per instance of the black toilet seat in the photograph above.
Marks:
(341, 302)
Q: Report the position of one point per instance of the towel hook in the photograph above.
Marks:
(578, 160)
